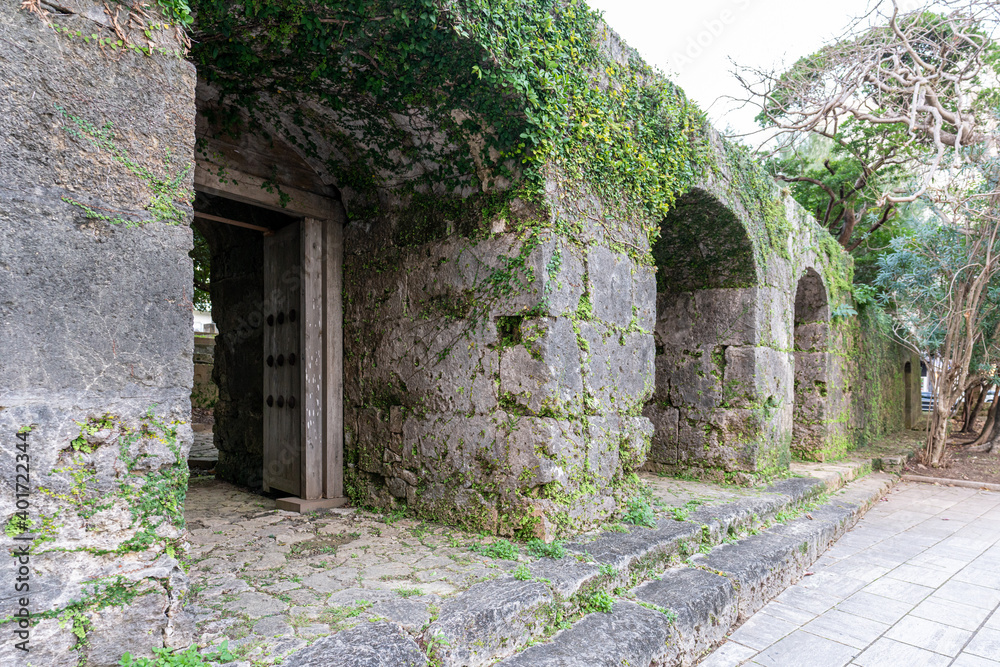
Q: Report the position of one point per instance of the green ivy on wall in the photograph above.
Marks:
(460, 97)
(168, 189)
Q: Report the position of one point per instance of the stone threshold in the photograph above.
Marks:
(676, 589)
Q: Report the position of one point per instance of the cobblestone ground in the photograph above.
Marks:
(916, 583)
(271, 581)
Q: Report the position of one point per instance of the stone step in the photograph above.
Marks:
(473, 630)
(496, 620)
(675, 619)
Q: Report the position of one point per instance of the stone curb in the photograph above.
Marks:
(944, 481)
(682, 615)
(495, 619)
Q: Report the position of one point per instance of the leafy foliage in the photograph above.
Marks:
(527, 84)
(540, 549)
(188, 658)
(168, 189)
(501, 550)
(598, 601)
(640, 513)
(202, 257)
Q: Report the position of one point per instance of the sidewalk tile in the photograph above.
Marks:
(847, 628)
(803, 598)
(969, 660)
(787, 613)
(789, 652)
(888, 653)
(929, 635)
(986, 644)
(728, 655)
(875, 607)
(894, 589)
(951, 613)
(970, 594)
(761, 630)
(923, 575)
(975, 574)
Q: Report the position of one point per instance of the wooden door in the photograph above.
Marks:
(283, 400)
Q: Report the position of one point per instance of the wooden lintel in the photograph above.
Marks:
(235, 223)
(248, 189)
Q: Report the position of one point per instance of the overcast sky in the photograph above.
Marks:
(692, 40)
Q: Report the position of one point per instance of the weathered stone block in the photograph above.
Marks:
(604, 447)
(490, 620)
(367, 645)
(371, 435)
(550, 282)
(542, 374)
(131, 628)
(634, 445)
(541, 451)
(812, 337)
(444, 366)
(618, 371)
(695, 379)
(454, 449)
(663, 446)
(644, 280)
(727, 316)
(610, 276)
(774, 317)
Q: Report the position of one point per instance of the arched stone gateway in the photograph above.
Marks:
(715, 405)
(813, 427)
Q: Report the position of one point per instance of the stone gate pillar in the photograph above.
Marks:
(96, 145)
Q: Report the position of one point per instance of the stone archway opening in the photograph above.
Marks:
(811, 423)
(706, 406)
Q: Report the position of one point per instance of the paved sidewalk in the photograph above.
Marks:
(915, 583)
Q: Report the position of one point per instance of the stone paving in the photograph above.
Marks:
(271, 581)
(915, 583)
(203, 446)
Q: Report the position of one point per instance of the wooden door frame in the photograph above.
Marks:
(321, 331)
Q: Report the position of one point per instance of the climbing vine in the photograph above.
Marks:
(169, 189)
(459, 97)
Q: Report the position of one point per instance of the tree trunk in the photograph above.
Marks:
(970, 422)
(966, 407)
(937, 432)
(987, 434)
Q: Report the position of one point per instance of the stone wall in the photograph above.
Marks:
(204, 392)
(95, 334)
(875, 377)
(752, 368)
(494, 378)
(719, 385)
